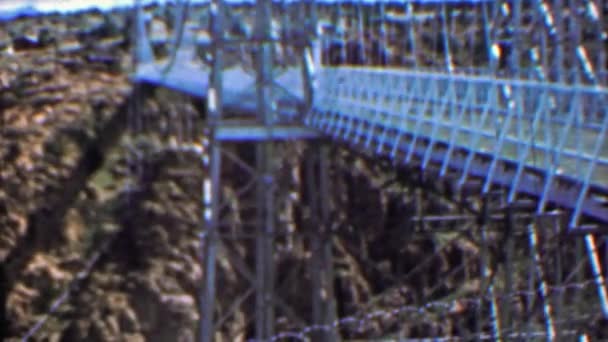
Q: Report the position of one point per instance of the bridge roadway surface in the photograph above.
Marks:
(535, 139)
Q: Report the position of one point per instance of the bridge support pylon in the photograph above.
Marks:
(261, 176)
(321, 260)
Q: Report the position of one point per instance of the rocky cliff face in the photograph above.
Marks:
(60, 116)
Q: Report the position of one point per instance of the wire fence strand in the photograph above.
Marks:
(358, 321)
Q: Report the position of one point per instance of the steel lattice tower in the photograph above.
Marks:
(263, 277)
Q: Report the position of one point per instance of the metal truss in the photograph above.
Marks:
(254, 107)
(527, 116)
(263, 132)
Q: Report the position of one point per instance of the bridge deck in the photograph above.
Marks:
(238, 97)
(536, 139)
(190, 76)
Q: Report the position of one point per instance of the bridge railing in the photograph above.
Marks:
(556, 130)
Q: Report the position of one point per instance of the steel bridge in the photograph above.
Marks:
(480, 95)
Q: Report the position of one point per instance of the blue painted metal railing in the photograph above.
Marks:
(538, 138)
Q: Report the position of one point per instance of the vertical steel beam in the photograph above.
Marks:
(509, 269)
(544, 291)
(324, 309)
(339, 31)
(487, 277)
(285, 33)
(558, 296)
(488, 36)
(446, 38)
(532, 290)
(580, 276)
(330, 314)
(309, 53)
(321, 262)
(382, 32)
(599, 5)
(575, 39)
(411, 32)
(264, 61)
(316, 260)
(558, 38)
(212, 186)
(180, 18)
(210, 242)
(313, 26)
(596, 268)
(143, 49)
(515, 58)
(264, 308)
(360, 29)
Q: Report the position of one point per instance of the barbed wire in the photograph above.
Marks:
(72, 286)
(362, 320)
(136, 124)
